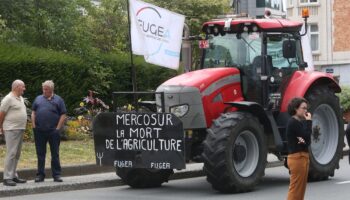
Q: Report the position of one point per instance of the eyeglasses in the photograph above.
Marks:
(303, 108)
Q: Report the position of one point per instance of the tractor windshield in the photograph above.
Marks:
(239, 51)
(229, 51)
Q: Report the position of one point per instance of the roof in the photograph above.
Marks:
(269, 25)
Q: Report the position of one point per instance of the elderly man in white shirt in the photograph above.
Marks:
(13, 120)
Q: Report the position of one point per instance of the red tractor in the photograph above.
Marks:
(234, 109)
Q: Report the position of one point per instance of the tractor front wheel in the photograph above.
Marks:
(235, 152)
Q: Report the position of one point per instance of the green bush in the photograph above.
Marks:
(74, 76)
(344, 98)
(148, 76)
(33, 65)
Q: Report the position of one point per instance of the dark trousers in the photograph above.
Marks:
(347, 134)
(41, 139)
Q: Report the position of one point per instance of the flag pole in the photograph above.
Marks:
(133, 70)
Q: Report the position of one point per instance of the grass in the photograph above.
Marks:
(71, 153)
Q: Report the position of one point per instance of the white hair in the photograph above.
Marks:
(17, 83)
(48, 83)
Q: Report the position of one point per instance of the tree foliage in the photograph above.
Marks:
(109, 26)
(95, 35)
(43, 23)
(80, 27)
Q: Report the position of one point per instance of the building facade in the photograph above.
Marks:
(329, 34)
(257, 8)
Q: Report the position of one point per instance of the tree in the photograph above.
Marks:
(55, 22)
(109, 26)
(49, 24)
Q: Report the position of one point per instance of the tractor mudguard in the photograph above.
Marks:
(265, 117)
(302, 81)
(139, 140)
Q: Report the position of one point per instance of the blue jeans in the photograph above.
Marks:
(41, 138)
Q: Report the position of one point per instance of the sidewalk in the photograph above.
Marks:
(96, 180)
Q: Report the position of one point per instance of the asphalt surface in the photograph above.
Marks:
(93, 176)
(273, 186)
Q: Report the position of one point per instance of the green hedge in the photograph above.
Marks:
(74, 76)
(34, 66)
(148, 76)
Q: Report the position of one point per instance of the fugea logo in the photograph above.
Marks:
(150, 22)
(157, 33)
(152, 25)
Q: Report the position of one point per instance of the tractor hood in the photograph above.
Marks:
(204, 78)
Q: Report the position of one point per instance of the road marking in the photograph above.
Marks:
(343, 182)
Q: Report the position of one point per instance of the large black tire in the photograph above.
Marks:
(144, 178)
(235, 153)
(327, 139)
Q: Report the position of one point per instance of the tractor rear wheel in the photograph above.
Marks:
(235, 152)
(144, 178)
(327, 137)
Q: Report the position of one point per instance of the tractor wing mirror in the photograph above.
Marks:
(303, 65)
(289, 49)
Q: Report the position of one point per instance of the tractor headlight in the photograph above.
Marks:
(179, 110)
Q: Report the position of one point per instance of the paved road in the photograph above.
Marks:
(99, 180)
(273, 187)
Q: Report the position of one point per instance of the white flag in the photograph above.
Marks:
(156, 33)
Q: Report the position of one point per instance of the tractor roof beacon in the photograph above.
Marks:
(234, 109)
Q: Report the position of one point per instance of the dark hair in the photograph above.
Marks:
(294, 104)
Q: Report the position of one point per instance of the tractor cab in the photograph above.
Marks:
(266, 51)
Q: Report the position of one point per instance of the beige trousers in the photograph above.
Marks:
(13, 140)
(298, 164)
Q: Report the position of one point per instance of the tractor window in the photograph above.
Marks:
(232, 51)
(274, 49)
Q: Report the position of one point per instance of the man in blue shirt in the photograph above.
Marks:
(48, 116)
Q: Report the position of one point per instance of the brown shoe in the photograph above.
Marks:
(9, 182)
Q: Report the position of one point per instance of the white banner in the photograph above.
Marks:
(156, 33)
